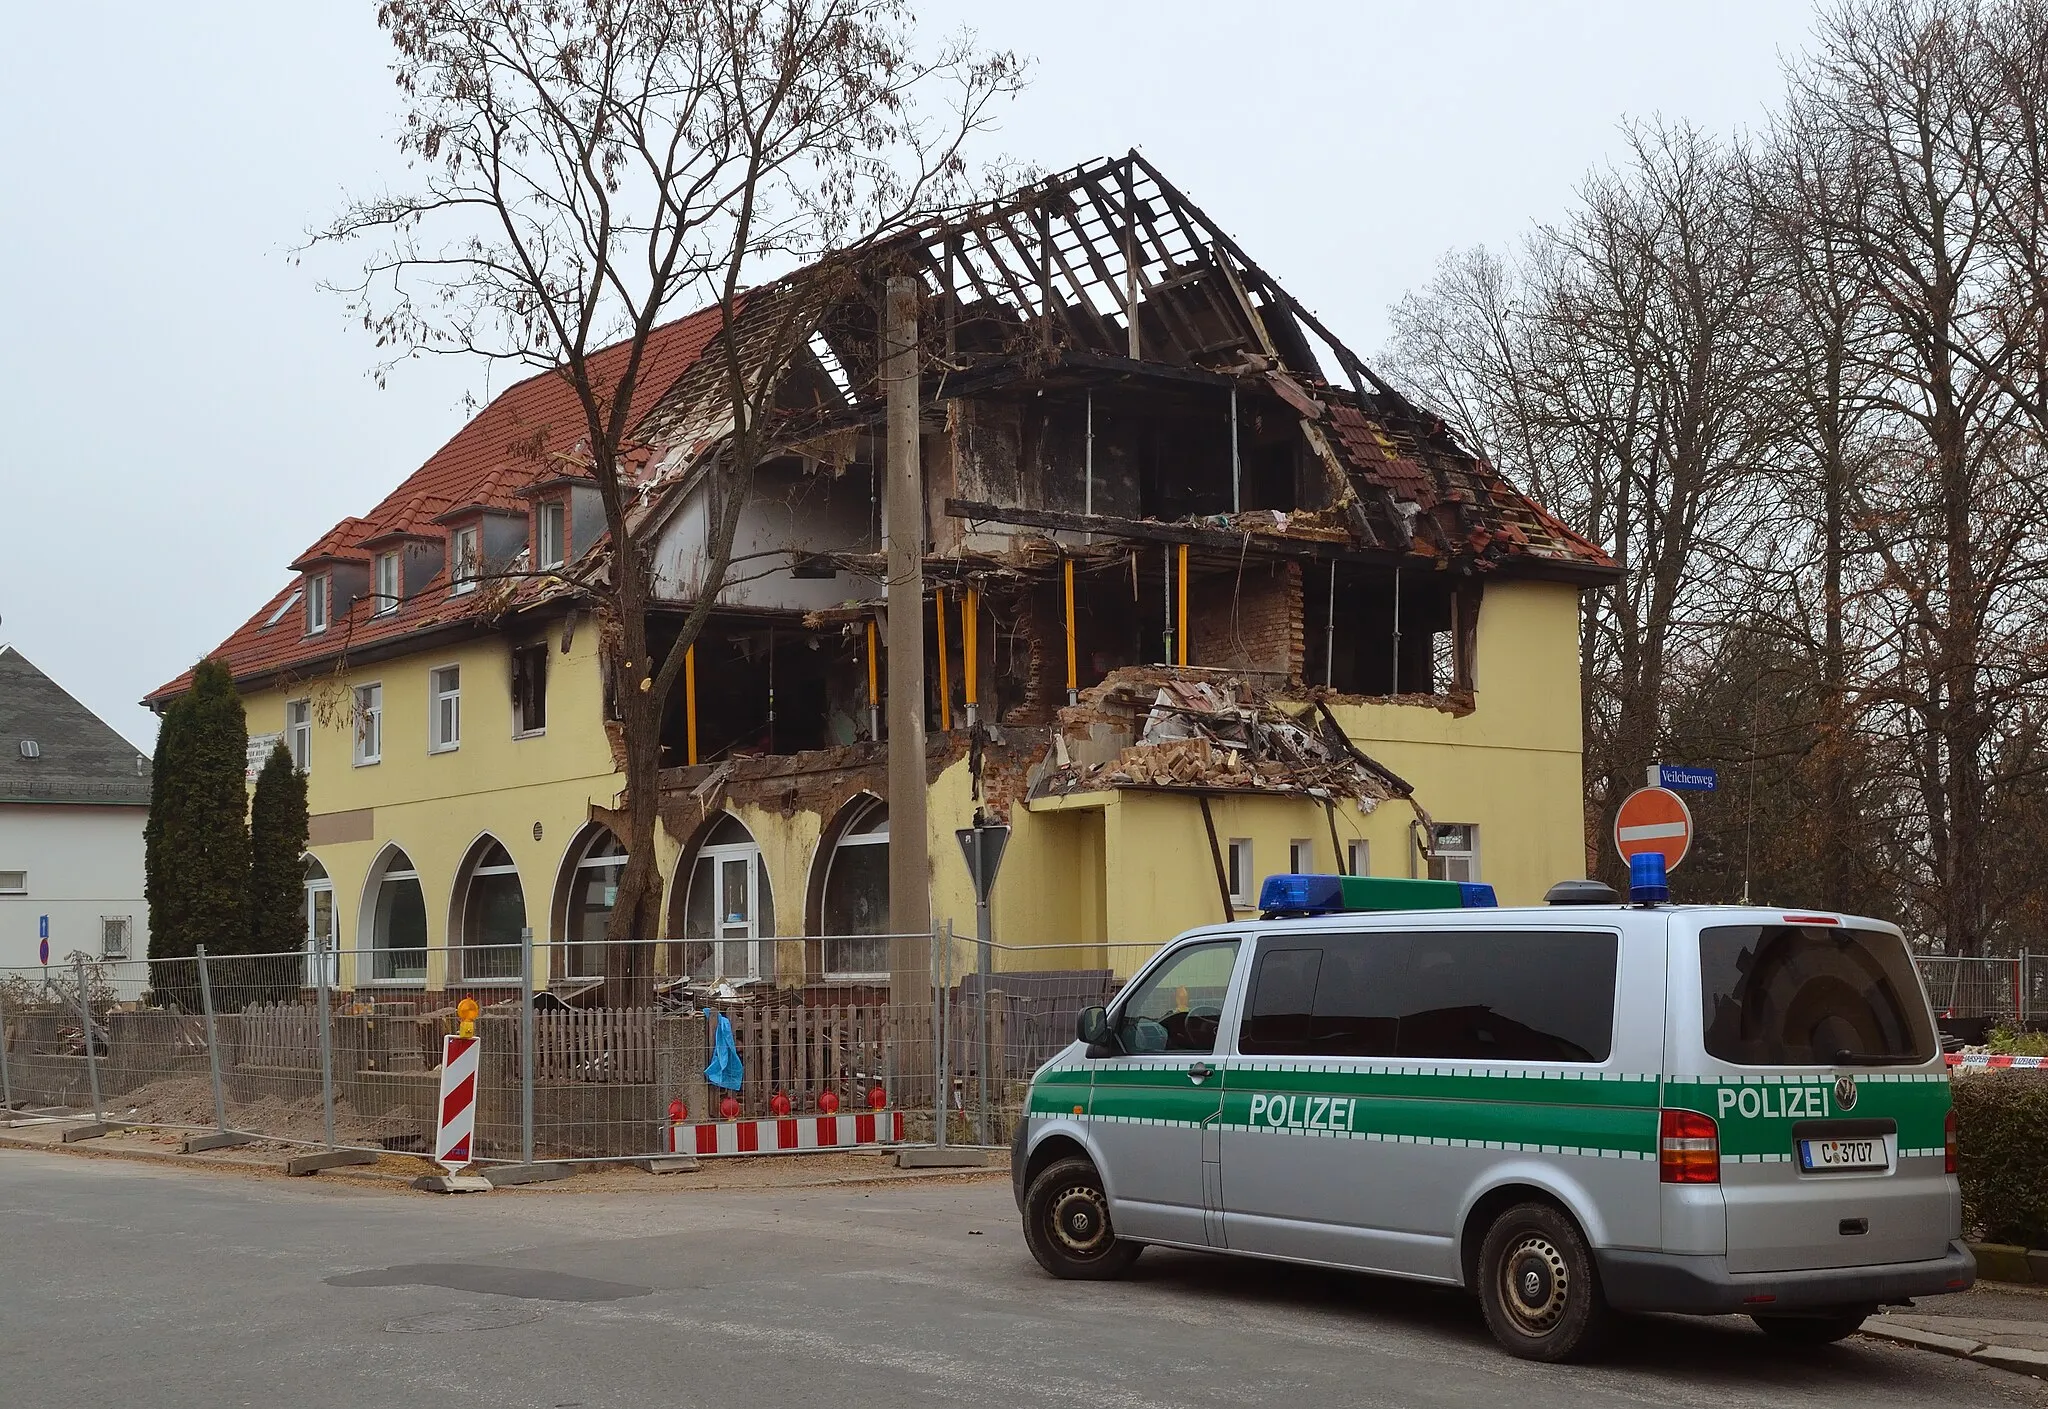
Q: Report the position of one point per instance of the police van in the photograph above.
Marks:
(1570, 1109)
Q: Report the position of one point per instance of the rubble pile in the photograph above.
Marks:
(1213, 734)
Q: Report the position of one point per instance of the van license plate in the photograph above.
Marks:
(1822, 1156)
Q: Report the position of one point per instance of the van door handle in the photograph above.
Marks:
(1200, 1072)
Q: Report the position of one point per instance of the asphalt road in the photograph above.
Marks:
(122, 1284)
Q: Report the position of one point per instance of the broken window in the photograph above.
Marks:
(1368, 630)
(530, 688)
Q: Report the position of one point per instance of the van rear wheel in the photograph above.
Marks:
(1538, 1285)
(1067, 1227)
(1821, 1328)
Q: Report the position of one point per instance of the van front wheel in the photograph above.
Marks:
(1067, 1228)
(1538, 1285)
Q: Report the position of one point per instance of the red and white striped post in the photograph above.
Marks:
(460, 1057)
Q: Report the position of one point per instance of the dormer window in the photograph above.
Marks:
(387, 585)
(463, 559)
(316, 605)
(551, 523)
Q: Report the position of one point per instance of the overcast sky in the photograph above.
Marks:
(186, 411)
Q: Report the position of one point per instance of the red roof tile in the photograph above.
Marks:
(512, 444)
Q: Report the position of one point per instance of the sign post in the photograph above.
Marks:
(1653, 819)
(982, 847)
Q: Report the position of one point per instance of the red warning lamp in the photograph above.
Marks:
(779, 1103)
(729, 1107)
(828, 1102)
(877, 1099)
(678, 1112)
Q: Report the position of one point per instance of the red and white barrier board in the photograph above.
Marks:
(460, 1057)
(1993, 1061)
(780, 1134)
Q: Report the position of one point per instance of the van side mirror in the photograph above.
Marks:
(1092, 1029)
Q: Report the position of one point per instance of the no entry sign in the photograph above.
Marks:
(1653, 819)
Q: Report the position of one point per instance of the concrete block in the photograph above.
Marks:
(217, 1140)
(90, 1132)
(1881, 1327)
(2002, 1262)
(2010, 1357)
(504, 1175)
(948, 1158)
(326, 1159)
(669, 1164)
(452, 1184)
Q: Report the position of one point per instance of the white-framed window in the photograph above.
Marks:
(298, 733)
(398, 923)
(1301, 856)
(1454, 852)
(493, 918)
(593, 891)
(444, 709)
(389, 583)
(855, 912)
(13, 883)
(1243, 885)
(369, 724)
(1358, 852)
(316, 605)
(729, 908)
(551, 538)
(464, 562)
(114, 932)
(530, 689)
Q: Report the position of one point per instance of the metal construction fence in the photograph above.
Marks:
(2005, 989)
(280, 1048)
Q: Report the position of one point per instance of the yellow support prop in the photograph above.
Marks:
(690, 697)
(1073, 675)
(970, 642)
(1180, 637)
(945, 674)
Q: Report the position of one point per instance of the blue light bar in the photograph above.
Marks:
(1647, 882)
(1332, 895)
(1302, 895)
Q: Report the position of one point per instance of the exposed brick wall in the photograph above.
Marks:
(1248, 620)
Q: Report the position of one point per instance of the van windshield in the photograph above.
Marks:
(1811, 995)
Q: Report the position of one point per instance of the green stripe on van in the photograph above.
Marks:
(1756, 1116)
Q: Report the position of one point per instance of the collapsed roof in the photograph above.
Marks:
(1102, 274)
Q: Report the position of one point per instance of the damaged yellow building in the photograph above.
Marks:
(1206, 600)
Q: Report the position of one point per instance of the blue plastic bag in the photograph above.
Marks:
(725, 1068)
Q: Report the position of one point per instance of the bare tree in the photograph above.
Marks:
(1938, 212)
(1615, 370)
(589, 169)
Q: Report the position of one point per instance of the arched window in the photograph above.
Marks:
(729, 912)
(398, 921)
(319, 925)
(855, 912)
(593, 891)
(493, 915)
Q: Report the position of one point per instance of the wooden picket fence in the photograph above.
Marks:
(804, 1049)
(610, 1045)
(279, 1035)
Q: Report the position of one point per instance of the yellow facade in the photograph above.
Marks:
(1096, 874)
(533, 793)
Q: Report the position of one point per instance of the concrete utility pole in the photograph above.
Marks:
(910, 957)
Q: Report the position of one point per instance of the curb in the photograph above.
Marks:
(2005, 1357)
(176, 1160)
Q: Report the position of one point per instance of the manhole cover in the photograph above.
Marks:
(475, 1318)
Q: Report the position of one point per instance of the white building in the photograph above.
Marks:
(73, 799)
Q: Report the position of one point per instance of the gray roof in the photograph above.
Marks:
(80, 757)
